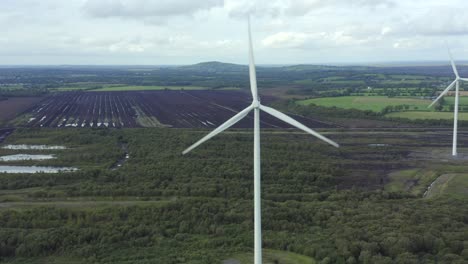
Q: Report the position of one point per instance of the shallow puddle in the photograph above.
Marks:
(378, 145)
(20, 157)
(36, 147)
(34, 169)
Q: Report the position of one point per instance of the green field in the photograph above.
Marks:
(68, 89)
(449, 185)
(12, 87)
(414, 181)
(373, 103)
(96, 87)
(147, 88)
(450, 100)
(427, 115)
(458, 186)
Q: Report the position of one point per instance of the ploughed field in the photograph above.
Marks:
(4, 133)
(11, 107)
(180, 109)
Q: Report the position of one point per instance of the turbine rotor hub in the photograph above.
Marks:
(256, 104)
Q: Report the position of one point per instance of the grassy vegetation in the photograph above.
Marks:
(80, 86)
(334, 80)
(11, 87)
(274, 257)
(414, 181)
(48, 260)
(145, 120)
(147, 88)
(450, 100)
(103, 87)
(373, 103)
(449, 185)
(458, 186)
(427, 115)
(394, 107)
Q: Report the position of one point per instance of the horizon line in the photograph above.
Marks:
(362, 63)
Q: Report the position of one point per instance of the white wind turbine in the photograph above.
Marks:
(256, 106)
(455, 83)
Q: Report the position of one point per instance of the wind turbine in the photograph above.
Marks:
(256, 107)
(455, 83)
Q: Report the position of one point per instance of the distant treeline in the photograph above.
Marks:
(308, 78)
(323, 112)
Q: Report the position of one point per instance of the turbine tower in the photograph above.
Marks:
(256, 107)
(455, 83)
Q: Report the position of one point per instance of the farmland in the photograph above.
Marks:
(372, 103)
(13, 107)
(136, 199)
(4, 133)
(450, 100)
(179, 109)
(147, 88)
(414, 115)
(407, 108)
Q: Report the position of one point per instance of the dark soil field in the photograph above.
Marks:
(4, 133)
(12, 107)
(179, 109)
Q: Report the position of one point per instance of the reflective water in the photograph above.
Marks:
(26, 157)
(34, 169)
(378, 145)
(37, 147)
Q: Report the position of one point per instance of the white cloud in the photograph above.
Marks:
(146, 8)
(286, 40)
(275, 8)
(301, 40)
(385, 31)
(189, 31)
(302, 7)
(439, 21)
(258, 8)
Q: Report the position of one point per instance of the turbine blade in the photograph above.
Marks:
(221, 128)
(464, 79)
(252, 71)
(295, 123)
(453, 63)
(443, 93)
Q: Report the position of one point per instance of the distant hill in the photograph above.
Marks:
(312, 67)
(215, 66)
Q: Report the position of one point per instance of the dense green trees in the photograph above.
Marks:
(167, 208)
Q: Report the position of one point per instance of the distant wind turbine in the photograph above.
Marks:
(256, 106)
(455, 83)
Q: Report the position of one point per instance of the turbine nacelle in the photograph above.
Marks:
(256, 104)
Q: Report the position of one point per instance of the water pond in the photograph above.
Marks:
(34, 147)
(20, 157)
(34, 169)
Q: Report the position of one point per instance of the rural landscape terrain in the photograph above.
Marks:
(91, 169)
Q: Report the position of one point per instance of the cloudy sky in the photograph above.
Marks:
(159, 32)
